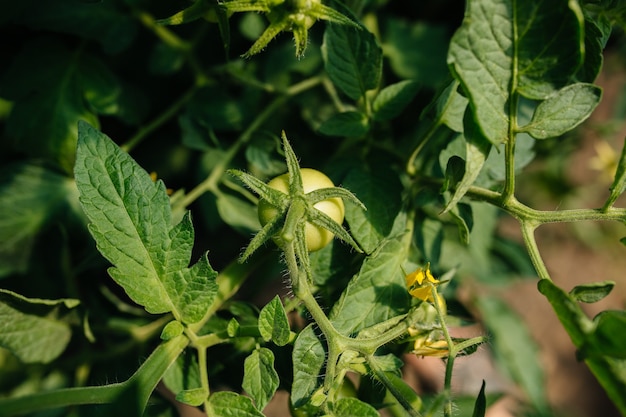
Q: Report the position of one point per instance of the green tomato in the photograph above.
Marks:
(316, 237)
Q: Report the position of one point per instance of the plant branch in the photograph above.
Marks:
(143, 382)
(212, 181)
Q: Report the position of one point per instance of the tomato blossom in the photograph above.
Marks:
(419, 283)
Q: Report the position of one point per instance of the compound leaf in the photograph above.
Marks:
(130, 219)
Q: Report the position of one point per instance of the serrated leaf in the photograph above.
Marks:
(563, 110)
(30, 329)
(350, 407)
(273, 322)
(130, 219)
(593, 292)
(308, 359)
(260, 379)
(380, 191)
(31, 196)
(393, 99)
(352, 124)
(352, 58)
(489, 50)
(226, 403)
(377, 293)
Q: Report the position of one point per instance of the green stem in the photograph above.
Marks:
(204, 376)
(509, 146)
(534, 217)
(528, 232)
(143, 382)
(447, 409)
(211, 182)
(391, 387)
(161, 119)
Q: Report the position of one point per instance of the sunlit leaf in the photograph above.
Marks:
(130, 219)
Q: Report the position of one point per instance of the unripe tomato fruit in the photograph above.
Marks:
(316, 237)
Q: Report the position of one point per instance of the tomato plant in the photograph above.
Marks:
(151, 157)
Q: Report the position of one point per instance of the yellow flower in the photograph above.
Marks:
(419, 283)
(425, 346)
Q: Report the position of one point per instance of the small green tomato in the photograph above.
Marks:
(316, 237)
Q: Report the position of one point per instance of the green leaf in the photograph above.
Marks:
(352, 58)
(429, 235)
(515, 349)
(451, 107)
(131, 222)
(273, 322)
(480, 406)
(493, 57)
(462, 215)
(196, 11)
(352, 124)
(609, 338)
(477, 149)
(379, 189)
(378, 292)
(401, 389)
(184, 374)
(563, 110)
(230, 404)
(30, 327)
(241, 215)
(171, 330)
(128, 398)
(31, 197)
(260, 379)
(308, 359)
(417, 50)
(350, 407)
(393, 99)
(591, 293)
(547, 59)
(619, 183)
(194, 396)
(610, 372)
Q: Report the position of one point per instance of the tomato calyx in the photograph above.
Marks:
(296, 16)
(291, 209)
